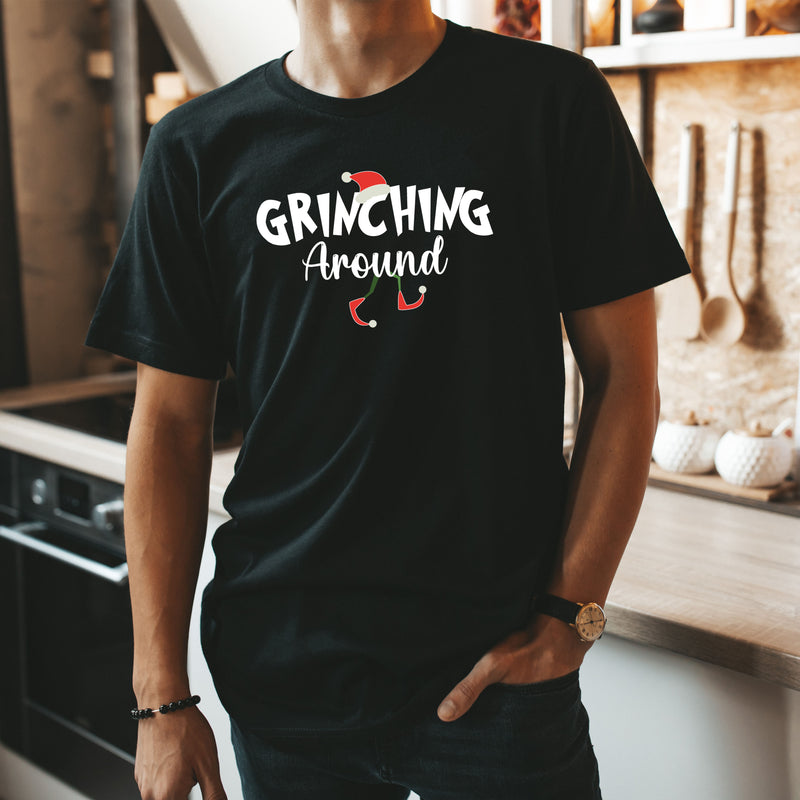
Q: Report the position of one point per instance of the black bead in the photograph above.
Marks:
(181, 704)
(173, 706)
(163, 708)
(195, 698)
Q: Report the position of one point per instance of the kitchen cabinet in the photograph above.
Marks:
(665, 726)
(695, 691)
(736, 43)
(200, 678)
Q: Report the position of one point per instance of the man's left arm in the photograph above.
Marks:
(616, 350)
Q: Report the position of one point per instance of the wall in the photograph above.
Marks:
(213, 42)
(758, 377)
(61, 183)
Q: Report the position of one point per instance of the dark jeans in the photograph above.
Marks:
(517, 742)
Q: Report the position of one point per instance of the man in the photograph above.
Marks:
(382, 617)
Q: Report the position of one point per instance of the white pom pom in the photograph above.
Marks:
(372, 323)
(423, 289)
(346, 176)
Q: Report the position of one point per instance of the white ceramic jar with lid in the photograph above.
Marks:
(687, 445)
(756, 457)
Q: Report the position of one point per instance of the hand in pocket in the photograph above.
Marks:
(544, 650)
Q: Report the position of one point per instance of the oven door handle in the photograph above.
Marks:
(19, 535)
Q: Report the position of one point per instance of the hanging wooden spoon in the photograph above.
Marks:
(681, 300)
(723, 320)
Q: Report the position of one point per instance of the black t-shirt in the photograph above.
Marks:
(385, 276)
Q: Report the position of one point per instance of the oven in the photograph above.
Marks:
(68, 624)
(65, 614)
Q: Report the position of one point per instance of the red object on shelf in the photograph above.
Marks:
(520, 18)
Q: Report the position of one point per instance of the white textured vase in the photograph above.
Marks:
(756, 461)
(685, 448)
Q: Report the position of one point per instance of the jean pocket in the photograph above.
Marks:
(549, 686)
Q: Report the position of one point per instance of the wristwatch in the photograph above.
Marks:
(588, 619)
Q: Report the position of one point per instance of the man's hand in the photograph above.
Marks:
(174, 752)
(547, 648)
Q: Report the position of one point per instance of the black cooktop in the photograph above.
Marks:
(109, 416)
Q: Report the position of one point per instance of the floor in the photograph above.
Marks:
(19, 780)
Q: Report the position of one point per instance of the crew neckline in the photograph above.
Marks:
(277, 78)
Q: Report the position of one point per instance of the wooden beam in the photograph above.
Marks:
(13, 359)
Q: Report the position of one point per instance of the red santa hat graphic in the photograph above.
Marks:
(371, 184)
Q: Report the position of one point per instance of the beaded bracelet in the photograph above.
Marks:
(176, 705)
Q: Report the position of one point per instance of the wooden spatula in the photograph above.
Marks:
(680, 299)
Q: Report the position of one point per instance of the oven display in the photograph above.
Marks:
(73, 497)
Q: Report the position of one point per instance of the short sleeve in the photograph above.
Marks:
(158, 304)
(613, 238)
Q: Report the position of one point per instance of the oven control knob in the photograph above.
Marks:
(108, 516)
(39, 491)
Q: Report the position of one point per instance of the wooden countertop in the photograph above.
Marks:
(702, 577)
(94, 455)
(713, 580)
(78, 450)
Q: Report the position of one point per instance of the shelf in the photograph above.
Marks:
(693, 47)
(665, 49)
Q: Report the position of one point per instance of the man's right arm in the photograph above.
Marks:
(168, 466)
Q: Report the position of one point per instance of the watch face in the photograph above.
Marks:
(590, 622)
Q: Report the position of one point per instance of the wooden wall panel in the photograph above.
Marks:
(13, 362)
(57, 151)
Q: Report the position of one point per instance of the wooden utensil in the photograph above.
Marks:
(681, 300)
(723, 320)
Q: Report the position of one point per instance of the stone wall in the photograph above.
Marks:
(756, 378)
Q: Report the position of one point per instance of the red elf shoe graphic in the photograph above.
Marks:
(401, 301)
(354, 304)
(371, 185)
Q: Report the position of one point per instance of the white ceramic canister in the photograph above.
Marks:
(686, 446)
(756, 457)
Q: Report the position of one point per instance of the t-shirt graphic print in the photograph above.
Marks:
(329, 216)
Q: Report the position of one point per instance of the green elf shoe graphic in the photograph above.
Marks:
(373, 184)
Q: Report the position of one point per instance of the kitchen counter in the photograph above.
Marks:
(701, 577)
(715, 581)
